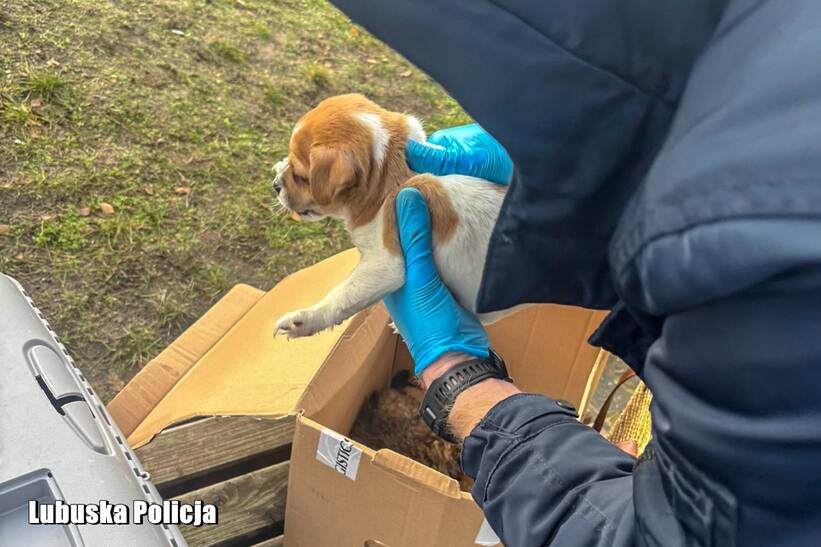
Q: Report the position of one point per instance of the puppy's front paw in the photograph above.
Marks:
(300, 323)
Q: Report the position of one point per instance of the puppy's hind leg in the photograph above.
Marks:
(377, 274)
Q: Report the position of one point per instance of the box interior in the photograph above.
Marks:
(557, 364)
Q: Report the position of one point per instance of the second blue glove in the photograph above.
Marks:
(463, 150)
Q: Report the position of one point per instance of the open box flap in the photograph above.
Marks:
(148, 387)
(546, 350)
(249, 371)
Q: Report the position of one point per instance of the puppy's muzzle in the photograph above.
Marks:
(279, 168)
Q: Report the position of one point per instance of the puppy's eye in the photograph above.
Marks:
(300, 180)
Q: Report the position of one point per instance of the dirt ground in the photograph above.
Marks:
(136, 147)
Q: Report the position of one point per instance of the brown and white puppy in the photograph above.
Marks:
(346, 160)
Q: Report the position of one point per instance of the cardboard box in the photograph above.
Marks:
(340, 492)
(343, 493)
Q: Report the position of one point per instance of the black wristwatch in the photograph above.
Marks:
(443, 391)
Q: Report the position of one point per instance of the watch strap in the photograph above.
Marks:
(443, 391)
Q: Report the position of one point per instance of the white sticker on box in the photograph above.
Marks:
(486, 535)
(338, 453)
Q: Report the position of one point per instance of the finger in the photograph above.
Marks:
(631, 447)
(413, 223)
(412, 220)
(439, 137)
(427, 158)
(499, 165)
(444, 136)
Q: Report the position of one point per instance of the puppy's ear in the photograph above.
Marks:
(333, 170)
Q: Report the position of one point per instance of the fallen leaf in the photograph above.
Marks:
(354, 31)
(148, 190)
(295, 216)
(19, 256)
(84, 211)
(47, 216)
(4, 229)
(182, 190)
(406, 73)
(371, 61)
(106, 209)
(36, 103)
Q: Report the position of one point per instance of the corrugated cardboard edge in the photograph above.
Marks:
(148, 387)
(402, 466)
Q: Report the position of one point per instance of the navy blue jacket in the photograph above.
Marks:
(668, 167)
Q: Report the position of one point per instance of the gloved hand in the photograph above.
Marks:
(426, 314)
(463, 150)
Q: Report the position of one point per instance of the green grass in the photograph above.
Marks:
(273, 96)
(223, 51)
(173, 112)
(65, 233)
(43, 82)
(318, 75)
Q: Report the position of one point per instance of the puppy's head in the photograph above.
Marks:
(343, 158)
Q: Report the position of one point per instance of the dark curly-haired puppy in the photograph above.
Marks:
(390, 419)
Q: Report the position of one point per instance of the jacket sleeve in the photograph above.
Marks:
(581, 94)
(544, 478)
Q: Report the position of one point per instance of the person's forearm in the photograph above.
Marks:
(494, 416)
(472, 404)
(543, 477)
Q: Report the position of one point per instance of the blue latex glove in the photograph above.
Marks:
(463, 150)
(426, 314)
